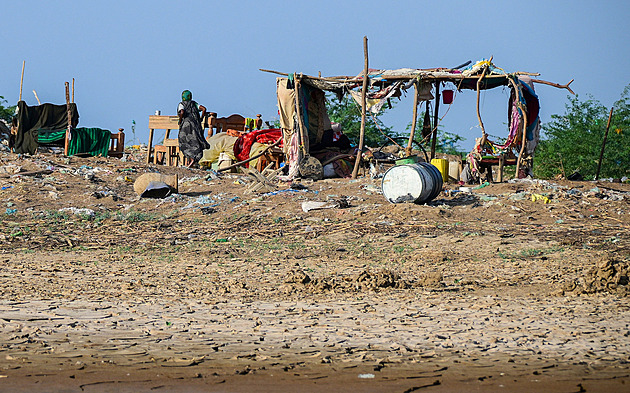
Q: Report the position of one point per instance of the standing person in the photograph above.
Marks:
(191, 140)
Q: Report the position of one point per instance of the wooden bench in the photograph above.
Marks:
(233, 122)
(502, 160)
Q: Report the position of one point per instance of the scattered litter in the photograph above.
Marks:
(79, 211)
(208, 210)
(366, 376)
(212, 175)
(316, 205)
(203, 200)
(298, 186)
(376, 172)
(539, 197)
(10, 169)
(519, 196)
(485, 184)
(372, 188)
(574, 192)
(11, 211)
(105, 194)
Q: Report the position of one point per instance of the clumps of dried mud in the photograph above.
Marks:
(608, 275)
(299, 280)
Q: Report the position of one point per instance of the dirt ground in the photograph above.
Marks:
(519, 286)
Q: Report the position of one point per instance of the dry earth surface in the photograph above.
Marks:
(217, 290)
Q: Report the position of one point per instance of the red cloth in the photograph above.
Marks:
(243, 144)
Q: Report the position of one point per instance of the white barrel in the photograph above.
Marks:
(417, 183)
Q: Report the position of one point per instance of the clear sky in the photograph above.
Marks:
(131, 58)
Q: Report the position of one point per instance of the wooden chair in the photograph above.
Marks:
(168, 151)
(274, 155)
(117, 144)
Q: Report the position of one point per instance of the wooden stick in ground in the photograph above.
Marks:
(37, 98)
(415, 119)
(22, 79)
(601, 154)
(435, 119)
(357, 161)
(68, 130)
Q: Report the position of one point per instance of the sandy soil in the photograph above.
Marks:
(215, 289)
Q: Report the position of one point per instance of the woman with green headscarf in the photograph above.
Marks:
(191, 140)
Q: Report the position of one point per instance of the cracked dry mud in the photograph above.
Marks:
(214, 289)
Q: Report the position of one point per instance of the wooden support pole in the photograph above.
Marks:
(69, 129)
(435, 119)
(523, 140)
(483, 130)
(302, 132)
(415, 119)
(22, 79)
(601, 154)
(37, 98)
(357, 161)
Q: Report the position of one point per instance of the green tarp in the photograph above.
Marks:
(92, 141)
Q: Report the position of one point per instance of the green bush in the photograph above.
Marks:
(572, 142)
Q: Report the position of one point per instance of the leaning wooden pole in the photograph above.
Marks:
(415, 119)
(302, 132)
(520, 160)
(68, 130)
(435, 119)
(22, 79)
(483, 129)
(357, 161)
(601, 154)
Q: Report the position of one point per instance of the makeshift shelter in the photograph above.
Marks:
(304, 120)
(48, 124)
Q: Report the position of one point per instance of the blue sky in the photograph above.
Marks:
(131, 58)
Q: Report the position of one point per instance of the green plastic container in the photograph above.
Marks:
(408, 160)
